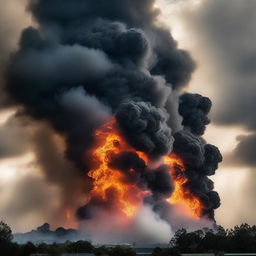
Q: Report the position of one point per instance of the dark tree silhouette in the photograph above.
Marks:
(122, 251)
(239, 239)
(27, 249)
(116, 251)
(5, 232)
(80, 247)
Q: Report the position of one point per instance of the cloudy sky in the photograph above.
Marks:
(220, 36)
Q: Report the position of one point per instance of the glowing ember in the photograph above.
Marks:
(128, 197)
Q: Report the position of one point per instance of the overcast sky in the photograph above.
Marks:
(220, 36)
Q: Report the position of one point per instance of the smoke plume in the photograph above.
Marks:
(88, 62)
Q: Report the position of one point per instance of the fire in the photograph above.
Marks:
(111, 142)
(182, 195)
(128, 197)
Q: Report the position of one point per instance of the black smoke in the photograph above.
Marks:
(105, 51)
(88, 60)
(200, 159)
(145, 127)
(194, 109)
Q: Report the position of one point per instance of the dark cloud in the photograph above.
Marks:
(244, 153)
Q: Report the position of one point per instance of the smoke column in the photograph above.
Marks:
(109, 80)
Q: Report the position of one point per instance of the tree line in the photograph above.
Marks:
(238, 239)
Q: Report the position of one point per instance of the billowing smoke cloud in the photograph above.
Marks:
(194, 109)
(89, 60)
(201, 159)
(145, 127)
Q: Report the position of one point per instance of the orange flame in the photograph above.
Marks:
(182, 195)
(111, 142)
(129, 197)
